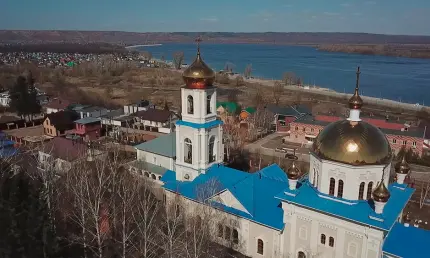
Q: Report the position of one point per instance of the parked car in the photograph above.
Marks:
(291, 156)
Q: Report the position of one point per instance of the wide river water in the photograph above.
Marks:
(401, 79)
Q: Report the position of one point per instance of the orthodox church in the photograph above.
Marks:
(344, 207)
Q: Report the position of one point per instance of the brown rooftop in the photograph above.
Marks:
(65, 149)
(155, 115)
(58, 104)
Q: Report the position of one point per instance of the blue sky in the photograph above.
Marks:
(373, 16)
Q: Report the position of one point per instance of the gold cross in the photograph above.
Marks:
(198, 40)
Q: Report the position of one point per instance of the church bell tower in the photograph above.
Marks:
(199, 133)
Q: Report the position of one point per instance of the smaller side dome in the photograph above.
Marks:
(356, 102)
(381, 193)
(293, 172)
(402, 167)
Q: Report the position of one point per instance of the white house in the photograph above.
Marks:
(92, 111)
(155, 120)
(139, 106)
(344, 206)
(4, 98)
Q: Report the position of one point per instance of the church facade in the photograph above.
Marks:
(344, 207)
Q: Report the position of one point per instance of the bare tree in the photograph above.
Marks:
(289, 78)
(278, 90)
(425, 187)
(178, 59)
(172, 228)
(248, 71)
(145, 219)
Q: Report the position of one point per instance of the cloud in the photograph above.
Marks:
(357, 14)
(209, 19)
(345, 4)
(370, 2)
(330, 14)
(288, 5)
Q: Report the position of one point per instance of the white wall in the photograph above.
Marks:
(322, 170)
(155, 159)
(200, 111)
(303, 231)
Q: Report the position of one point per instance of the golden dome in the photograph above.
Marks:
(198, 75)
(355, 102)
(381, 193)
(402, 167)
(293, 172)
(357, 143)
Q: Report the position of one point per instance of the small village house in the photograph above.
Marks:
(142, 105)
(283, 116)
(60, 154)
(88, 128)
(56, 105)
(92, 111)
(157, 120)
(56, 124)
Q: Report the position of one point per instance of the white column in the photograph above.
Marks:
(354, 115)
(401, 178)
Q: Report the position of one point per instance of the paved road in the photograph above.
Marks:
(267, 145)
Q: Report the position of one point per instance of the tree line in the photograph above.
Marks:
(98, 209)
(89, 48)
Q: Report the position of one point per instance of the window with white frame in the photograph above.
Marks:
(414, 143)
(394, 141)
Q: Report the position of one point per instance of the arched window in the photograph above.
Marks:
(235, 236)
(369, 190)
(227, 233)
(220, 230)
(331, 241)
(361, 191)
(323, 239)
(212, 149)
(340, 189)
(153, 177)
(208, 104)
(314, 177)
(188, 151)
(301, 255)
(332, 185)
(159, 178)
(190, 105)
(260, 246)
(146, 174)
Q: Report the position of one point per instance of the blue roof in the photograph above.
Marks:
(87, 120)
(8, 152)
(256, 192)
(164, 145)
(199, 126)
(168, 176)
(406, 242)
(359, 211)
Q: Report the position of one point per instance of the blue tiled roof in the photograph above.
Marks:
(359, 211)
(168, 176)
(164, 145)
(256, 192)
(407, 242)
(87, 120)
(198, 126)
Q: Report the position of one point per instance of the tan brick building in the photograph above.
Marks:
(305, 129)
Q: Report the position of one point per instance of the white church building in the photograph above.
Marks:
(344, 207)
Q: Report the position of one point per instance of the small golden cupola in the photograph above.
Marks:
(356, 102)
(381, 193)
(293, 174)
(402, 170)
(198, 75)
(380, 197)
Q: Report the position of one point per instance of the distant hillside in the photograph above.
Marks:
(130, 38)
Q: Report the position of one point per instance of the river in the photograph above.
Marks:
(395, 78)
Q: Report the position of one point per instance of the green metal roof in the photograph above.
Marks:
(142, 165)
(231, 107)
(250, 110)
(164, 145)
